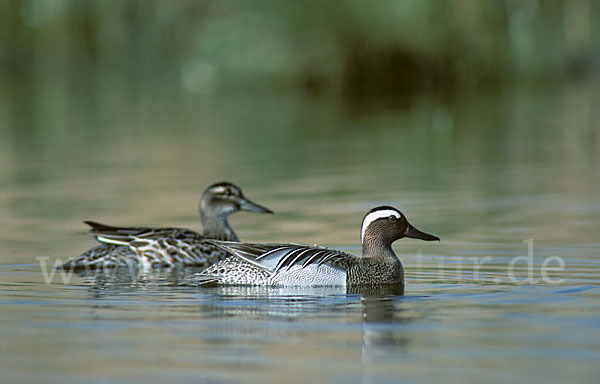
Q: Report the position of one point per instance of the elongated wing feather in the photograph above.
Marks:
(129, 233)
(275, 257)
(306, 255)
(251, 252)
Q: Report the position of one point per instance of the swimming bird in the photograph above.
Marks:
(169, 246)
(303, 265)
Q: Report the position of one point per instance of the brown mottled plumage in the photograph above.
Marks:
(168, 246)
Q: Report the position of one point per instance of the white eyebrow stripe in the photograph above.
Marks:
(371, 217)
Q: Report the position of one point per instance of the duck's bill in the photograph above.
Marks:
(416, 234)
(247, 205)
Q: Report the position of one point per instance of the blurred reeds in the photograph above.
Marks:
(350, 48)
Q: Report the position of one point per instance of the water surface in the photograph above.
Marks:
(508, 180)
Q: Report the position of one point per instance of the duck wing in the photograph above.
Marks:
(277, 257)
(169, 251)
(129, 233)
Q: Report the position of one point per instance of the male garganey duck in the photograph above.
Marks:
(302, 265)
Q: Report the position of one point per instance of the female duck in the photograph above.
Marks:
(168, 246)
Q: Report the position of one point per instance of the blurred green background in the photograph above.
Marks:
(351, 48)
(262, 92)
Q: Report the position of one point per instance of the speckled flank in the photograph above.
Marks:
(309, 276)
(235, 271)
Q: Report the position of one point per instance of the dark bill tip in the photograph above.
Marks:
(416, 234)
(248, 205)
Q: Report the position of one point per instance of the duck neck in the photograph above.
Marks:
(378, 248)
(216, 226)
(379, 264)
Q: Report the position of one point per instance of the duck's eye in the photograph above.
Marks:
(227, 192)
(392, 219)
